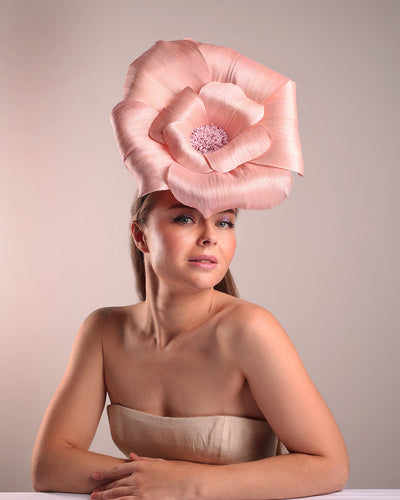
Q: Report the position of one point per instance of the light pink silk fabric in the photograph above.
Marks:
(176, 87)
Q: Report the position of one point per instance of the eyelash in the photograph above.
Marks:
(179, 218)
(230, 224)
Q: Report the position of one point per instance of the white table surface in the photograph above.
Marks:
(347, 494)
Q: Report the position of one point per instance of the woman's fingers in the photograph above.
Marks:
(148, 478)
(115, 473)
(125, 481)
(119, 482)
(120, 492)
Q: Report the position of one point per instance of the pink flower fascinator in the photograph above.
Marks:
(216, 128)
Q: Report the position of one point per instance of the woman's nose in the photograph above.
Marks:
(208, 236)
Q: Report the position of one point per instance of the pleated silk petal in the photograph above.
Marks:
(248, 187)
(187, 107)
(244, 147)
(146, 159)
(228, 107)
(226, 65)
(164, 70)
(253, 104)
(177, 136)
(280, 119)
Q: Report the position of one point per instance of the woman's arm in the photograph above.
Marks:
(61, 460)
(295, 410)
(318, 462)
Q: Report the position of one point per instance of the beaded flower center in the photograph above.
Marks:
(208, 138)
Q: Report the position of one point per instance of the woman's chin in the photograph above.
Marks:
(199, 284)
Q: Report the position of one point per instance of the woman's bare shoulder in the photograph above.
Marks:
(246, 323)
(116, 313)
(247, 315)
(105, 320)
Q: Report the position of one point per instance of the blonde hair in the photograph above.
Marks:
(140, 211)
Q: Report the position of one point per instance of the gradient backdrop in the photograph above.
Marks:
(325, 262)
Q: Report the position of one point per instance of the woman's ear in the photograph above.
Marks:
(139, 237)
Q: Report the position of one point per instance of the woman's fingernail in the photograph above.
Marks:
(96, 475)
(93, 495)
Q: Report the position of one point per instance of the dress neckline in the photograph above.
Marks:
(142, 414)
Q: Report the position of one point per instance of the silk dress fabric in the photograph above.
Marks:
(220, 439)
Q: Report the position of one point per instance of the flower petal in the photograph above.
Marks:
(164, 70)
(248, 187)
(186, 106)
(177, 137)
(280, 119)
(247, 145)
(228, 107)
(145, 158)
(226, 65)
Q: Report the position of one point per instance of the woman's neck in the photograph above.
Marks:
(170, 312)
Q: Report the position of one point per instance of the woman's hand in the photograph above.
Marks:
(147, 478)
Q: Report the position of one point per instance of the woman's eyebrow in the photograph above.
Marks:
(179, 205)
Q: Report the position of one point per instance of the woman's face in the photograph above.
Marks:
(184, 248)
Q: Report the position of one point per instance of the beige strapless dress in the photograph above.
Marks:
(217, 439)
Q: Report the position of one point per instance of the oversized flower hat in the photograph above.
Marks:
(216, 128)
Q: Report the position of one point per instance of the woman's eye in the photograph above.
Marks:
(225, 224)
(183, 219)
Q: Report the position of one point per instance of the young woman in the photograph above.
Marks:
(201, 383)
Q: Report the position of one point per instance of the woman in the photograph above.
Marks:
(201, 382)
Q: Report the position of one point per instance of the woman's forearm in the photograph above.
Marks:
(285, 476)
(68, 469)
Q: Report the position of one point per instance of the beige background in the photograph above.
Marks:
(325, 262)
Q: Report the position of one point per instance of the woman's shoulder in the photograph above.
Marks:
(255, 338)
(104, 320)
(245, 314)
(112, 313)
(244, 321)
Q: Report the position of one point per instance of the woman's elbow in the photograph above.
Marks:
(339, 475)
(38, 486)
(41, 470)
(343, 475)
(38, 478)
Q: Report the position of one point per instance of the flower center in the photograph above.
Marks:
(208, 138)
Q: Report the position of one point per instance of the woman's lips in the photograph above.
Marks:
(204, 261)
